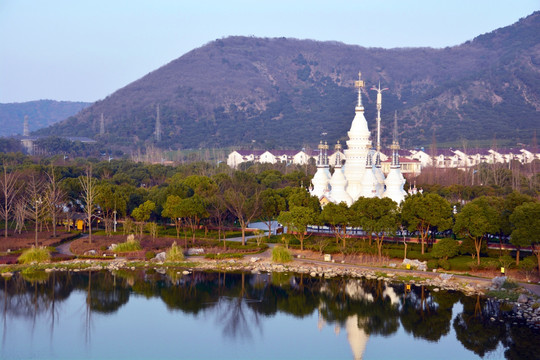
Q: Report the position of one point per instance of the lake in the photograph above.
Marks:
(213, 315)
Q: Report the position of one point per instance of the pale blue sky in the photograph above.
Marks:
(85, 50)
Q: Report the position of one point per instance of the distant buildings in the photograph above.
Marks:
(450, 158)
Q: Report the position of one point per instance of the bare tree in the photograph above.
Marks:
(19, 213)
(90, 192)
(35, 204)
(55, 197)
(8, 185)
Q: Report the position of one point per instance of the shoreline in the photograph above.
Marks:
(523, 307)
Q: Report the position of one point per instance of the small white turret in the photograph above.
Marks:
(395, 180)
(339, 182)
(321, 178)
(369, 181)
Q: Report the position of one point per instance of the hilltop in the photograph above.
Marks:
(284, 92)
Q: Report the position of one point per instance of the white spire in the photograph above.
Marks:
(357, 147)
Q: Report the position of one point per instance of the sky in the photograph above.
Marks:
(81, 50)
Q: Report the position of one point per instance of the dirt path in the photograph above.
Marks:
(65, 248)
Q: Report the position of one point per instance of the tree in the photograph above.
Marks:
(112, 200)
(337, 216)
(242, 198)
(54, 198)
(423, 213)
(34, 202)
(8, 189)
(445, 248)
(526, 222)
(299, 196)
(89, 195)
(297, 220)
(376, 216)
(171, 210)
(271, 205)
(192, 209)
(142, 214)
(476, 220)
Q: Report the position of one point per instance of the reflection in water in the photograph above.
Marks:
(241, 303)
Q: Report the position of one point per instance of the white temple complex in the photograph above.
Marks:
(361, 175)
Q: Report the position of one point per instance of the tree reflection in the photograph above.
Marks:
(474, 329)
(239, 301)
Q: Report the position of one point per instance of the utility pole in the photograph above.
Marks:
(379, 107)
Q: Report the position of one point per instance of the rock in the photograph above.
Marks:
(185, 272)
(498, 281)
(313, 274)
(522, 299)
(254, 259)
(112, 247)
(195, 251)
(160, 257)
(392, 265)
(415, 264)
(445, 277)
(436, 289)
(7, 274)
(90, 252)
(327, 257)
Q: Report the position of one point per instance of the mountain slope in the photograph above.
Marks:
(41, 113)
(286, 92)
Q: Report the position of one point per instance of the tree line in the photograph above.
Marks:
(201, 194)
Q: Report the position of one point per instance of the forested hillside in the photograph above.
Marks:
(286, 92)
(41, 113)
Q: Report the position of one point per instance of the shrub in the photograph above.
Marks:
(489, 264)
(432, 264)
(445, 248)
(506, 261)
(130, 245)
(509, 285)
(527, 267)
(149, 255)
(34, 255)
(175, 253)
(280, 254)
(445, 264)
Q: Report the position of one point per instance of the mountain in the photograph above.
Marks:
(285, 92)
(41, 113)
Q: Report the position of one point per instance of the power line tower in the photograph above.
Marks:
(102, 126)
(158, 125)
(26, 130)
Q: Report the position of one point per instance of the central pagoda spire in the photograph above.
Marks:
(359, 84)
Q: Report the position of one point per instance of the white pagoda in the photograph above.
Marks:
(360, 176)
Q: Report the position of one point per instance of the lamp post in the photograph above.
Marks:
(114, 221)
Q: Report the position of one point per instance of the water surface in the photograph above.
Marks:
(148, 315)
